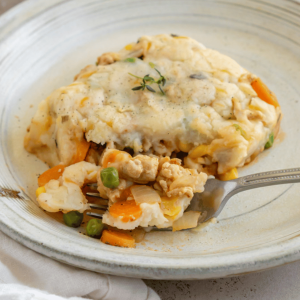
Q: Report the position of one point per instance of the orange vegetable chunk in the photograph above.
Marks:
(263, 92)
(81, 153)
(116, 238)
(125, 194)
(115, 156)
(110, 158)
(53, 173)
(129, 210)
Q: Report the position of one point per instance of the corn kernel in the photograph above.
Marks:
(230, 175)
(199, 151)
(175, 214)
(184, 147)
(169, 207)
(40, 190)
(128, 47)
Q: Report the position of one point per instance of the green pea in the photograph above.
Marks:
(270, 142)
(110, 177)
(94, 228)
(73, 218)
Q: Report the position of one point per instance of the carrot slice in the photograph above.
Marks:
(263, 92)
(128, 210)
(116, 238)
(53, 173)
(82, 149)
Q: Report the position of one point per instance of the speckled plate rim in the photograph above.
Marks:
(239, 263)
(232, 265)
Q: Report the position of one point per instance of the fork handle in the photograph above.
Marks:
(268, 178)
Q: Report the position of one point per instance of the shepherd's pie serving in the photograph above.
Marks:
(149, 124)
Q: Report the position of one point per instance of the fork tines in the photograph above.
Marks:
(92, 186)
(91, 214)
(95, 195)
(97, 206)
(102, 209)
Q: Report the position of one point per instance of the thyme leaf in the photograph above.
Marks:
(161, 90)
(198, 76)
(148, 80)
(161, 80)
(152, 65)
(137, 88)
(149, 88)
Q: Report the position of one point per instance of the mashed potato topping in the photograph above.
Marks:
(164, 112)
(206, 93)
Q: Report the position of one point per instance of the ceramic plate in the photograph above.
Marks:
(43, 44)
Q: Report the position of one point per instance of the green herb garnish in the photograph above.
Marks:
(162, 80)
(241, 130)
(130, 59)
(152, 65)
(145, 84)
(147, 81)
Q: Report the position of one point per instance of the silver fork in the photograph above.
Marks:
(217, 193)
(101, 207)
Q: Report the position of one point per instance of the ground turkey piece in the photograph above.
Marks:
(140, 169)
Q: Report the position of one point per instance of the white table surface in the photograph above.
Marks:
(275, 284)
(282, 283)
